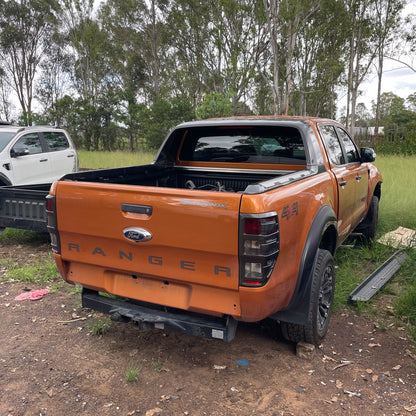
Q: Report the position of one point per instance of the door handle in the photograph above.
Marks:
(342, 183)
(71, 155)
(43, 160)
(358, 178)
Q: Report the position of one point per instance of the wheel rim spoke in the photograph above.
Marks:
(325, 295)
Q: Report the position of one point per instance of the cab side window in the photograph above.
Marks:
(349, 146)
(332, 143)
(56, 141)
(30, 142)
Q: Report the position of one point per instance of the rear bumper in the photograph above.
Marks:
(149, 316)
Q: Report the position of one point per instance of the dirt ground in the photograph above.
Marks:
(51, 364)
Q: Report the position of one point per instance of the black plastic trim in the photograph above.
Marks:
(297, 311)
(5, 179)
(137, 209)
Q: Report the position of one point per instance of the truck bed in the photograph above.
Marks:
(23, 207)
(177, 177)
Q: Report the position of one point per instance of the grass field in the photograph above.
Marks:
(397, 208)
(398, 192)
(100, 160)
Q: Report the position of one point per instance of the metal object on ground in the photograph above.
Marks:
(367, 289)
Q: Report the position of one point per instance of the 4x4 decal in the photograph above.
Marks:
(290, 210)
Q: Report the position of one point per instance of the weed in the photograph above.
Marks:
(158, 366)
(99, 326)
(75, 289)
(132, 372)
(56, 286)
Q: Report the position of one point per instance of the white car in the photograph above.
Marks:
(35, 155)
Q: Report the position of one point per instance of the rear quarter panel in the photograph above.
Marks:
(296, 205)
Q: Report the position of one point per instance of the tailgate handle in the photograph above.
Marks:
(137, 209)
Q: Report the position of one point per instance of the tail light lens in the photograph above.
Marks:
(52, 223)
(259, 248)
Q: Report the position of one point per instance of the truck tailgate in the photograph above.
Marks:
(193, 235)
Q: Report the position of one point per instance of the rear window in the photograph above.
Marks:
(56, 141)
(257, 144)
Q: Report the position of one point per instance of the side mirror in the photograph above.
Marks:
(367, 155)
(19, 151)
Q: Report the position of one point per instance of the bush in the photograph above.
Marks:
(395, 145)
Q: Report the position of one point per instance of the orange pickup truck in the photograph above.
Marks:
(235, 220)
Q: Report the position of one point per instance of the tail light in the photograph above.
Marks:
(52, 223)
(258, 247)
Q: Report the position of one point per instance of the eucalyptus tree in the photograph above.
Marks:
(91, 72)
(399, 120)
(387, 14)
(271, 11)
(216, 47)
(196, 68)
(287, 21)
(124, 25)
(361, 52)
(240, 37)
(5, 104)
(54, 82)
(318, 60)
(26, 28)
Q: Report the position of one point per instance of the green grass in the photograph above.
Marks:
(99, 326)
(132, 372)
(100, 160)
(157, 366)
(13, 236)
(397, 208)
(39, 272)
(398, 196)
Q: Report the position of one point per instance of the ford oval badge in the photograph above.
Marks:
(137, 234)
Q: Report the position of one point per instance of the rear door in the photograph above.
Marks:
(358, 173)
(63, 157)
(350, 174)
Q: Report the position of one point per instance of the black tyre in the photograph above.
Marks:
(320, 307)
(368, 226)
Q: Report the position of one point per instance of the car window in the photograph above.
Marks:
(56, 141)
(349, 146)
(332, 143)
(31, 142)
(5, 137)
(244, 144)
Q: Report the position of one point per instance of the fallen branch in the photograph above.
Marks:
(72, 320)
